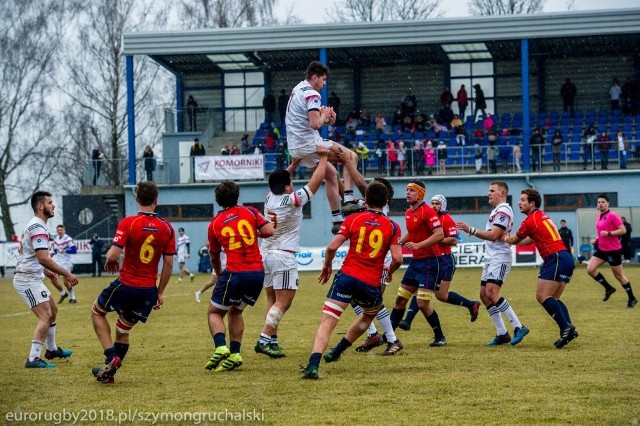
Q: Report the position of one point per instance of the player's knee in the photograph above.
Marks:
(404, 293)
(122, 326)
(274, 316)
(332, 309)
(98, 310)
(424, 295)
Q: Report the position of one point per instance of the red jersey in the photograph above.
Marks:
(371, 234)
(543, 232)
(236, 229)
(421, 223)
(145, 238)
(450, 230)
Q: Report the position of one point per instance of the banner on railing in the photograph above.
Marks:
(312, 258)
(233, 167)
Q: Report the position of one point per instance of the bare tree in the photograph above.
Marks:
(504, 7)
(30, 144)
(383, 10)
(97, 93)
(227, 13)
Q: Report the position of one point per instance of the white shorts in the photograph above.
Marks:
(67, 266)
(495, 272)
(31, 288)
(307, 153)
(280, 270)
(182, 257)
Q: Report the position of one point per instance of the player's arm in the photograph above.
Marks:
(111, 263)
(329, 254)
(265, 231)
(165, 276)
(318, 174)
(496, 233)
(615, 233)
(188, 245)
(449, 241)
(318, 118)
(396, 258)
(45, 260)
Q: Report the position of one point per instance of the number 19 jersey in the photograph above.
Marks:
(371, 234)
(145, 238)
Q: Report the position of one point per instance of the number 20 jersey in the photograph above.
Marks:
(371, 234)
(145, 238)
(236, 229)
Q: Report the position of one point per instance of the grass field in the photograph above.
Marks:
(594, 380)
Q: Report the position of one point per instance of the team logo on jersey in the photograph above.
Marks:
(501, 219)
(315, 101)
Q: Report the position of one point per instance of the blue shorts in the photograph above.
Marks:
(237, 289)
(423, 273)
(133, 303)
(557, 267)
(447, 267)
(346, 289)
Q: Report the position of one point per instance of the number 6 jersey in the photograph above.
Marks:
(145, 238)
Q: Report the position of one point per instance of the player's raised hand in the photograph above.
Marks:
(325, 274)
(322, 151)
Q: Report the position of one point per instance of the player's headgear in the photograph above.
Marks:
(419, 187)
(442, 200)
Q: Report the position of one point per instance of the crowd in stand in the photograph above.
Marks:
(411, 142)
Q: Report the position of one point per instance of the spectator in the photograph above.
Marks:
(604, 146)
(477, 150)
(149, 162)
(488, 124)
(536, 141)
(397, 116)
(623, 145)
(409, 104)
(381, 124)
(418, 157)
(588, 141)
(463, 100)
(283, 101)
(492, 155)
(568, 93)
(381, 157)
(225, 150)
(269, 105)
(235, 150)
(365, 118)
(481, 102)
(442, 158)
(97, 156)
(247, 147)
(192, 111)
(363, 157)
(625, 240)
(566, 236)
(446, 115)
(402, 157)
(281, 156)
(629, 94)
(407, 124)
(96, 255)
(517, 157)
(270, 142)
(429, 157)
(335, 102)
(446, 97)
(556, 150)
(615, 92)
(197, 150)
(392, 157)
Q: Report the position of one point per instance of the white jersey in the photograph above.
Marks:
(303, 99)
(63, 249)
(499, 251)
(182, 245)
(285, 213)
(34, 237)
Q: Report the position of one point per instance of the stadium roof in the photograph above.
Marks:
(566, 34)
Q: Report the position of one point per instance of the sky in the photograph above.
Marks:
(314, 12)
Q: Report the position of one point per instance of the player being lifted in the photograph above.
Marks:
(305, 116)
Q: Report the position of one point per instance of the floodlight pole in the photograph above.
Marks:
(526, 126)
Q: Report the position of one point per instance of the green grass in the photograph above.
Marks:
(594, 380)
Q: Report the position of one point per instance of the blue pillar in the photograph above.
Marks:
(179, 105)
(526, 126)
(324, 130)
(131, 121)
